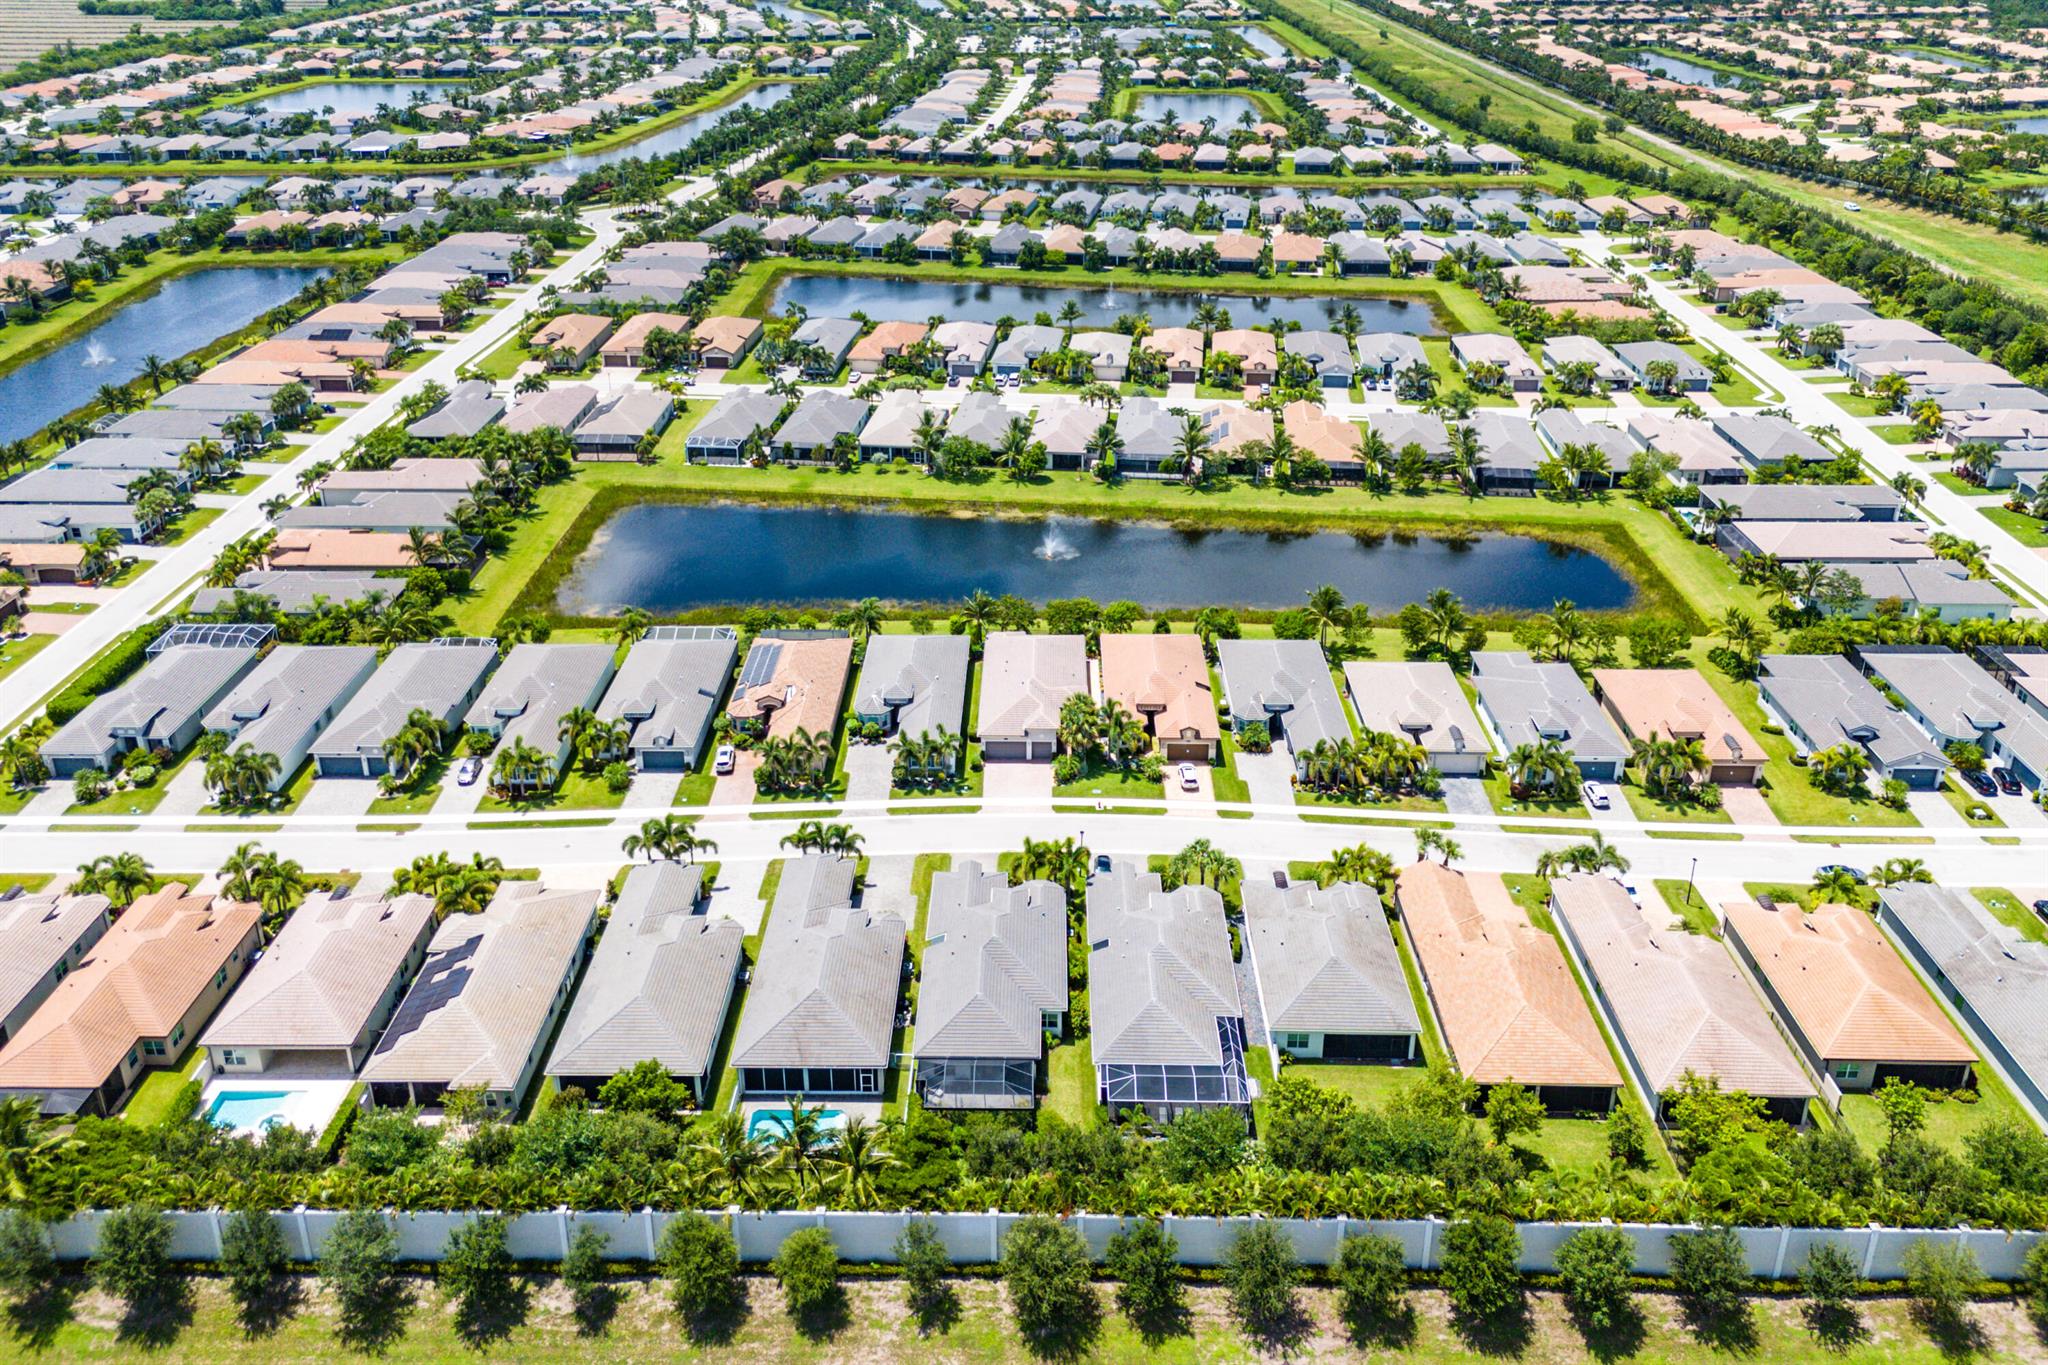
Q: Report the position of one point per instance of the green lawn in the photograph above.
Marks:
(2031, 532)
(1648, 807)
(15, 653)
(1370, 1086)
(190, 525)
(1692, 911)
(1570, 1144)
(577, 791)
(2012, 912)
(135, 800)
(1948, 1122)
(1070, 1082)
(155, 1098)
(426, 790)
(1110, 783)
(1505, 802)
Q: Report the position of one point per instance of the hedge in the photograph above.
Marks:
(112, 668)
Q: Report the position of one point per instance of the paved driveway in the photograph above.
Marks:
(1205, 784)
(1466, 796)
(653, 789)
(1017, 782)
(736, 788)
(869, 768)
(339, 796)
(888, 886)
(1933, 810)
(1269, 777)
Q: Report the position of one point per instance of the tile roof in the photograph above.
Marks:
(827, 978)
(35, 933)
(1159, 970)
(1025, 679)
(995, 960)
(1165, 677)
(321, 979)
(1325, 960)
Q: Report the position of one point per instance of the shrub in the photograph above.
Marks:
(360, 1266)
(1628, 1137)
(253, 1258)
(1372, 1280)
(28, 1263)
(807, 1268)
(1261, 1271)
(645, 1088)
(1829, 1278)
(477, 1271)
(1201, 1143)
(2033, 1279)
(1594, 1266)
(922, 1258)
(1512, 1109)
(1478, 1270)
(701, 1262)
(1045, 1271)
(133, 1259)
(107, 672)
(617, 777)
(1711, 1276)
(1942, 1278)
(88, 785)
(1141, 1257)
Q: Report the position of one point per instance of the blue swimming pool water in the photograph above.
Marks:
(248, 1108)
(771, 1125)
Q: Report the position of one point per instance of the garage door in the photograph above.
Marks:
(1186, 751)
(1006, 751)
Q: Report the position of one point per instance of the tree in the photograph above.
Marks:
(701, 1262)
(807, 1268)
(254, 1259)
(1711, 1276)
(1628, 1137)
(28, 1142)
(132, 1261)
(1261, 1272)
(1594, 1266)
(478, 1273)
(28, 1262)
(359, 1264)
(1942, 1279)
(1829, 1278)
(1149, 1293)
(1372, 1284)
(1904, 1106)
(1045, 1271)
(645, 1088)
(1478, 1270)
(1512, 1108)
(922, 1260)
(583, 1276)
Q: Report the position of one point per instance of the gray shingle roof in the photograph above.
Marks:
(1325, 960)
(995, 960)
(825, 987)
(658, 984)
(1159, 971)
(1530, 702)
(538, 685)
(35, 931)
(1831, 703)
(173, 688)
(320, 981)
(431, 676)
(921, 678)
(2000, 975)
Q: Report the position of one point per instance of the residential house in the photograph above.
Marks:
(734, 420)
(1638, 356)
(562, 408)
(627, 347)
(1285, 686)
(1679, 704)
(914, 685)
(1025, 680)
(792, 681)
(1419, 700)
(994, 984)
(527, 697)
(163, 706)
(1163, 680)
(1328, 353)
(1330, 982)
(1526, 702)
(621, 427)
(727, 340)
(1939, 586)
(667, 692)
(1957, 702)
(282, 706)
(1473, 350)
(1823, 703)
(821, 422)
(440, 677)
(570, 341)
(44, 936)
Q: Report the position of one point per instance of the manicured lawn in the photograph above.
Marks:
(2031, 532)
(1896, 435)
(135, 800)
(921, 887)
(504, 361)
(1370, 1086)
(190, 525)
(426, 790)
(1070, 1082)
(1968, 806)
(1505, 802)
(1648, 807)
(1693, 912)
(2012, 912)
(1109, 782)
(1948, 1122)
(15, 653)
(1856, 404)
(577, 791)
(1963, 487)
(25, 881)
(1569, 1144)
(156, 1097)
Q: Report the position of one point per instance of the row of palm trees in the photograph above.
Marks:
(819, 836)
(1363, 769)
(411, 746)
(456, 888)
(800, 761)
(274, 883)
(667, 838)
(927, 759)
(1594, 855)
(805, 1157)
(240, 778)
(1544, 768)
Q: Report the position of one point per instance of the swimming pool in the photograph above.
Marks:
(250, 1111)
(772, 1125)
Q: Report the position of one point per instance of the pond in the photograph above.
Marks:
(1679, 69)
(1154, 105)
(1948, 59)
(667, 557)
(1260, 41)
(185, 314)
(673, 138)
(914, 300)
(2037, 125)
(357, 99)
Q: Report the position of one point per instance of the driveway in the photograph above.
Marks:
(1205, 784)
(1933, 810)
(1466, 796)
(888, 886)
(736, 896)
(339, 796)
(736, 788)
(186, 792)
(1017, 782)
(1269, 777)
(869, 768)
(653, 789)
(456, 799)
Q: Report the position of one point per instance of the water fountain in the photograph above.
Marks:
(97, 355)
(1054, 547)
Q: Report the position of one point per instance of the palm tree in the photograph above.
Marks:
(28, 1143)
(1326, 608)
(859, 1156)
(631, 625)
(120, 877)
(861, 619)
(736, 1155)
(801, 1147)
(1835, 885)
(667, 837)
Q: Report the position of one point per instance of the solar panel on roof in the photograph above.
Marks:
(442, 979)
(761, 662)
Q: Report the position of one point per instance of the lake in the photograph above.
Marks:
(2037, 125)
(674, 138)
(185, 314)
(667, 557)
(1679, 69)
(914, 300)
(1948, 59)
(1154, 105)
(357, 99)
(1260, 41)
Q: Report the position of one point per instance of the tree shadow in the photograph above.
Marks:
(825, 1319)
(719, 1326)
(936, 1311)
(594, 1306)
(1284, 1332)
(379, 1320)
(154, 1321)
(482, 1322)
(1163, 1324)
(263, 1314)
(1838, 1327)
(1620, 1339)
(1393, 1331)
(1956, 1334)
(1732, 1330)
(35, 1320)
(1504, 1334)
(1073, 1336)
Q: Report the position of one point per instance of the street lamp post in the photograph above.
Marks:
(1688, 880)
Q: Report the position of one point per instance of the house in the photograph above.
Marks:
(135, 1003)
(792, 681)
(486, 1000)
(445, 477)
(887, 341)
(440, 677)
(1419, 700)
(820, 1015)
(659, 988)
(570, 341)
(1992, 976)
(1150, 431)
(824, 343)
(1525, 702)
(1638, 356)
(1505, 999)
(1473, 350)
(1957, 702)
(469, 407)
(43, 939)
(282, 706)
(1109, 354)
(1703, 456)
(1938, 586)
(1284, 685)
(667, 693)
(1328, 354)
(561, 408)
(1066, 430)
(1025, 343)
(1025, 680)
(1166, 1026)
(619, 428)
(1845, 997)
(965, 346)
(391, 513)
(821, 421)
(1806, 502)
(161, 707)
(527, 697)
(1387, 355)
(1823, 702)
(735, 420)
(994, 984)
(1336, 442)
(892, 429)
(627, 347)
(323, 989)
(1608, 371)
(914, 685)
(1163, 680)
(726, 340)
(1771, 440)
(1330, 982)
(1679, 704)
(1679, 1005)
(1257, 353)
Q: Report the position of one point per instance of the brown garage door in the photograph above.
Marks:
(1187, 751)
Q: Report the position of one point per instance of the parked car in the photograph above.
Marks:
(1188, 781)
(1102, 862)
(1855, 873)
(1981, 784)
(2007, 782)
(469, 772)
(725, 760)
(1596, 796)
(2041, 908)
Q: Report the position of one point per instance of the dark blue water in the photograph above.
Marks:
(187, 313)
(668, 557)
(1948, 59)
(673, 138)
(1185, 108)
(359, 98)
(914, 300)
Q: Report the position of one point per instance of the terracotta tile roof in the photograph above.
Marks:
(1165, 676)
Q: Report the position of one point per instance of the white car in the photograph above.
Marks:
(1188, 781)
(724, 760)
(1596, 796)
(469, 772)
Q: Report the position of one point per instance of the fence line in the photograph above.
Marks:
(976, 1238)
